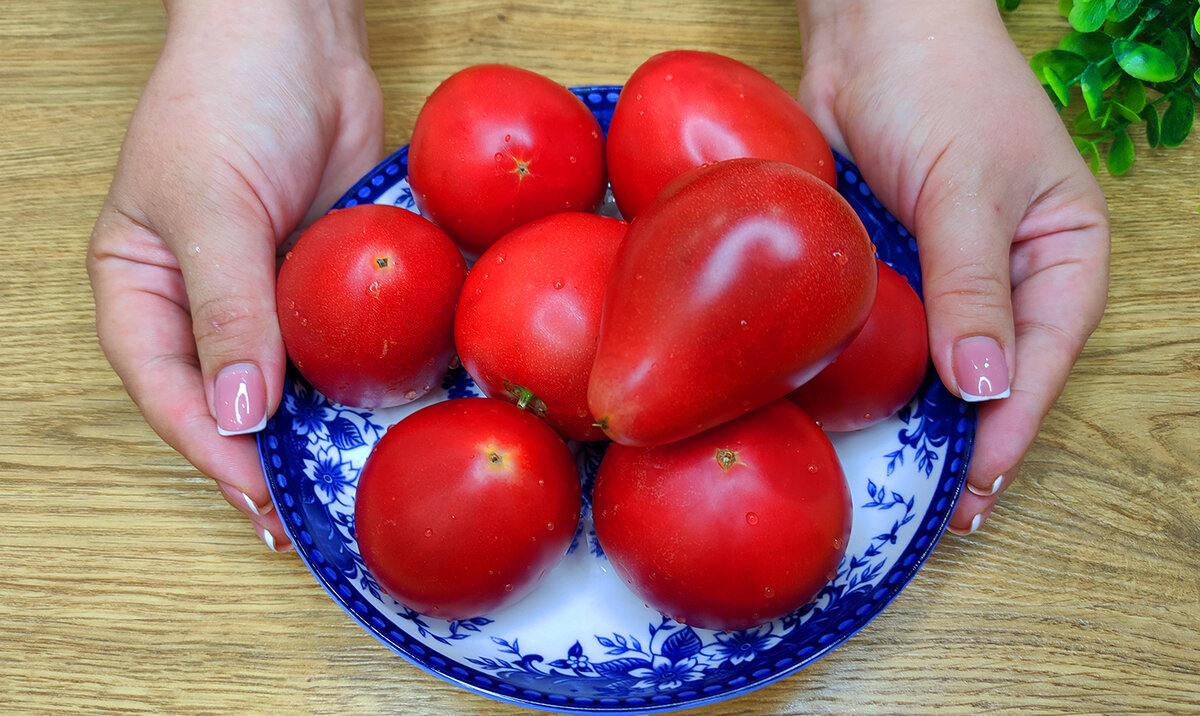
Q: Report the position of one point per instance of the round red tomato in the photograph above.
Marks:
(682, 109)
(731, 528)
(529, 314)
(464, 506)
(740, 282)
(881, 369)
(366, 300)
(496, 146)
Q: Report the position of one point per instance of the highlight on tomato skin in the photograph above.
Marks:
(464, 506)
(882, 368)
(731, 528)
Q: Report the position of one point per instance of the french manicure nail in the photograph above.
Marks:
(975, 522)
(991, 490)
(265, 535)
(256, 509)
(980, 369)
(240, 397)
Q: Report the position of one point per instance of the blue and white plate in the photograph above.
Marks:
(583, 643)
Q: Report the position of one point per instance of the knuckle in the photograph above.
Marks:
(969, 287)
(224, 324)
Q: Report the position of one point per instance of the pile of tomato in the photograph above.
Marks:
(713, 334)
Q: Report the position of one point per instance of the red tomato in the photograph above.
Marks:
(730, 528)
(464, 506)
(366, 301)
(496, 146)
(881, 369)
(739, 283)
(529, 314)
(682, 109)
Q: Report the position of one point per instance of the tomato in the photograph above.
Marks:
(464, 506)
(738, 284)
(530, 311)
(366, 301)
(682, 109)
(496, 146)
(730, 528)
(881, 369)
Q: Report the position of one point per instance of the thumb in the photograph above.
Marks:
(964, 229)
(227, 258)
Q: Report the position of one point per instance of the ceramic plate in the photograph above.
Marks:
(582, 643)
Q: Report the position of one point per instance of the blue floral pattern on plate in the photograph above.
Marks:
(582, 643)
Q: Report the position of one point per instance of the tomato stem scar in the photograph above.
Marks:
(726, 458)
(382, 262)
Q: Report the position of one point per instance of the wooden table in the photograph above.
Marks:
(127, 584)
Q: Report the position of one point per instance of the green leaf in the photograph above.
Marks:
(1153, 125)
(1087, 150)
(1067, 65)
(1196, 24)
(1008, 5)
(1175, 44)
(1085, 124)
(1064, 7)
(1092, 46)
(1060, 89)
(1089, 15)
(1131, 93)
(1120, 153)
(1126, 113)
(1145, 62)
(1122, 9)
(1090, 84)
(1177, 120)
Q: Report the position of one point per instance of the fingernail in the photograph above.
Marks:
(975, 522)
(265, 509)
(240, 396)
(269, 540)
(980, 369)
(993, 489)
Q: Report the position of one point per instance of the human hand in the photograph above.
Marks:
(956, 137)
(256, 118)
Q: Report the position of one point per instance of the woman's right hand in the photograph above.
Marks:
(258, 115)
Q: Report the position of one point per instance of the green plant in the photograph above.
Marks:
(1134, 62)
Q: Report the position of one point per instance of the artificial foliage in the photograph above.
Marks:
(1124, 64)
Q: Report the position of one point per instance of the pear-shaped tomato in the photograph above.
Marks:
(738, 284)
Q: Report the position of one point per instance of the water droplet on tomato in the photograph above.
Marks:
(840, 258)
(745, 325)
(429, 532)
(508, 587)
(549, 526)
(832, 575)
(813, 468)
(668, 78)
(373, 289)
(751, 518)
(653, 576)
(411, 395)
(572, 159)
(837, 542)
(508, 137)
(558, 283)
(638, 95)
(769, 592)
(499, 156)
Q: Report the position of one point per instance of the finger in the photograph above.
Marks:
(975, 507)
(145, 331)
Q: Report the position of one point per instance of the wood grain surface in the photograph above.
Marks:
(127, 585)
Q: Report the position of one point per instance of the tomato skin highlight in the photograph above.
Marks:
(882, 368)
(682, 109)
(496, 146)
(739, 283)
(366, 300)
(731, 528)
(464, 506)
(529, 315)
